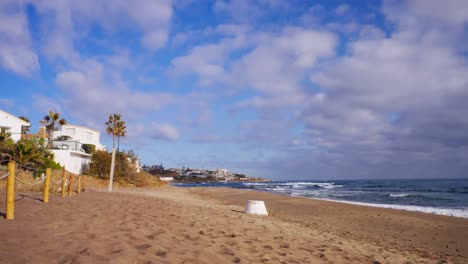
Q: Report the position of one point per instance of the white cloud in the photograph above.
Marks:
(273, 64)
(91, 96)
(66, 21)
(278, 63)
(162, 132)
(342, 9)
(393, 100)
(6, 102)
(247, 10)
(44, 104)
(16, 51)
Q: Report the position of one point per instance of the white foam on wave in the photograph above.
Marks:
(254, 183)
(455, 212)
(399, 195)
(320, 184)
(296, 185)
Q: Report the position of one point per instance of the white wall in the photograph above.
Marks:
(13, 124)
(82, 134)
(74, 161)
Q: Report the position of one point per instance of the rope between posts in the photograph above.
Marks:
(4, 176)
(30, 184)
(57, 183)
(76, 183)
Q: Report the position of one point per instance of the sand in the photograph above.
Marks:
(203, 225)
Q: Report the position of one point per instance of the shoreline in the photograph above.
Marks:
(387, 227)
(452, 211)
(459, 213)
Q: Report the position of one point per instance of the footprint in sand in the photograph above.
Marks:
(227, 251)
(142, 247)
(284, 245)
(84, 252)
(161, 253)
(268, 247)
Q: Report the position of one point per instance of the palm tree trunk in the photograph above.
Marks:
(51, 134)
(113, 141)
(118, 143)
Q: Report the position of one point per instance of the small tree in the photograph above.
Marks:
(52, 122)
(100, 164)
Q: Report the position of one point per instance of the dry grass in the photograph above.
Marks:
(142, 179)
(25, 181)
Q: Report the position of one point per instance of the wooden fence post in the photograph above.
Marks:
(99, 186)
(83, 184)
(10, 192)
(79, 185)
(64, 185)
(46, 186)
(116, 186)
(70, 178)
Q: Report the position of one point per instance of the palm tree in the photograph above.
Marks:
(52, 121)
(26, 151)
(121, 132)
(112, 127)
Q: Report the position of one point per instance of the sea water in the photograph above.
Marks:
(437, 196)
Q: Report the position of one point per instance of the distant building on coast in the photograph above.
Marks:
(10, 124)
(223, 173)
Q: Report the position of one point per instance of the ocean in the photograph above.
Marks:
(436, 196)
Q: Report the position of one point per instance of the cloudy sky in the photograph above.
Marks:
(280, 89)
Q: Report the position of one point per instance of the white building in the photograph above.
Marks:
(222, 173)
(12, 124)
(70, 152)
(81, 134)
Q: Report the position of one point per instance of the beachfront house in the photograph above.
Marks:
(12, 125)
(223, 173)
(73, 146)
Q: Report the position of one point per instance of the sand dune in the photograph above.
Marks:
(176, 225)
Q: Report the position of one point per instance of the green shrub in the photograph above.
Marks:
(89, 148)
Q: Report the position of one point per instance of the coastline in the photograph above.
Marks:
(207, 225)
(401, 229)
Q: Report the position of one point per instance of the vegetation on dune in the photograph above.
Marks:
(31, 153)
(125, 171)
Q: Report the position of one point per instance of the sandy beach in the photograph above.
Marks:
(207, 225)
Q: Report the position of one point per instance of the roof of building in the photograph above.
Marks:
(15, 117)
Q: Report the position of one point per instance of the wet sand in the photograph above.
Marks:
(177, 225)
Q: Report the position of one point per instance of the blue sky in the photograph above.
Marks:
(271, 88)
